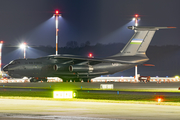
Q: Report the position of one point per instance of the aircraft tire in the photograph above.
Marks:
(33, 80)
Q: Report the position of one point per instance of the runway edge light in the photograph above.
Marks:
(159, 99)
(64, 94)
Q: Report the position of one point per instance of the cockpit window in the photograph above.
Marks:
(14, 62)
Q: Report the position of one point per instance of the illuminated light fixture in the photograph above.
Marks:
(91, 55)
(57, 15)
(63, 94)
(136, 18)
(1, 43)
(23, 46)
(74, 94)
(136, 15)
(176, 76)
(57, 12)
(159, 100)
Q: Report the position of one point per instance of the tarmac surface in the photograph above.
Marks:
(16, 109)
(22, 109)
(117, 85)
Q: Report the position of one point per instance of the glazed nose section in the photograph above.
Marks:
(5, 68)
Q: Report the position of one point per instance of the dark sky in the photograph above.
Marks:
(103, 21)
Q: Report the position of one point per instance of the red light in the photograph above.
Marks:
(159, 99)
(1, 42)
(57, 12)
(90, 55)
(136, 15)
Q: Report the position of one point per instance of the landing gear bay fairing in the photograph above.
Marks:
(70, 67)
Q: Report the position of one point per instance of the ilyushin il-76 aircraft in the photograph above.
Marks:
(71, 67)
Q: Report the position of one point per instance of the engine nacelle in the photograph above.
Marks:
(60, 67)
(80, 68)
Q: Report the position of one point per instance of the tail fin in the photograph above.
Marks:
(140, 41)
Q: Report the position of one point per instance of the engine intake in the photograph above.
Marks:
(80, 68)
(60, 67)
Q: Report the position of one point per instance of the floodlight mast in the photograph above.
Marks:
(136, 18)
(1, 43)
(136, 73)
(57, 16)
(23, 46)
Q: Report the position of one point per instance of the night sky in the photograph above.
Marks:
(97, 21)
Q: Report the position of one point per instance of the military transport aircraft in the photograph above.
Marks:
(71, 67)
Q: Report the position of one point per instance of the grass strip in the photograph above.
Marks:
(129, 90)
(97, 96)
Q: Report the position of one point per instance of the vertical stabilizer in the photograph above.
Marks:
(140, 41)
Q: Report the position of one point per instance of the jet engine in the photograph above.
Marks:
(60, 67)
(80, 68)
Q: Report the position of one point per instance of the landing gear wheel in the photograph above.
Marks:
(33, 80)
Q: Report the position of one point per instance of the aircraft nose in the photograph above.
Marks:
(5, 68)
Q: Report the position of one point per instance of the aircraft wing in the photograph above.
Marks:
(92, 61)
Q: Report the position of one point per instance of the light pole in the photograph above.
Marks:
(23, 46)
(136, 73)
(1, 43)
(57, 16)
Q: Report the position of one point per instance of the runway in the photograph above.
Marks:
(17, 109)
(22, 109)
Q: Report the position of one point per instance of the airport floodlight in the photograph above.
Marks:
(23, 46)
(136, 18)
(57, 15)
(1, 43)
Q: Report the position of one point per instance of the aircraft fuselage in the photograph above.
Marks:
(52, 67)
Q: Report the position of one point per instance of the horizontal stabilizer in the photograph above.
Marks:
(149, 28)
(148, 65)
